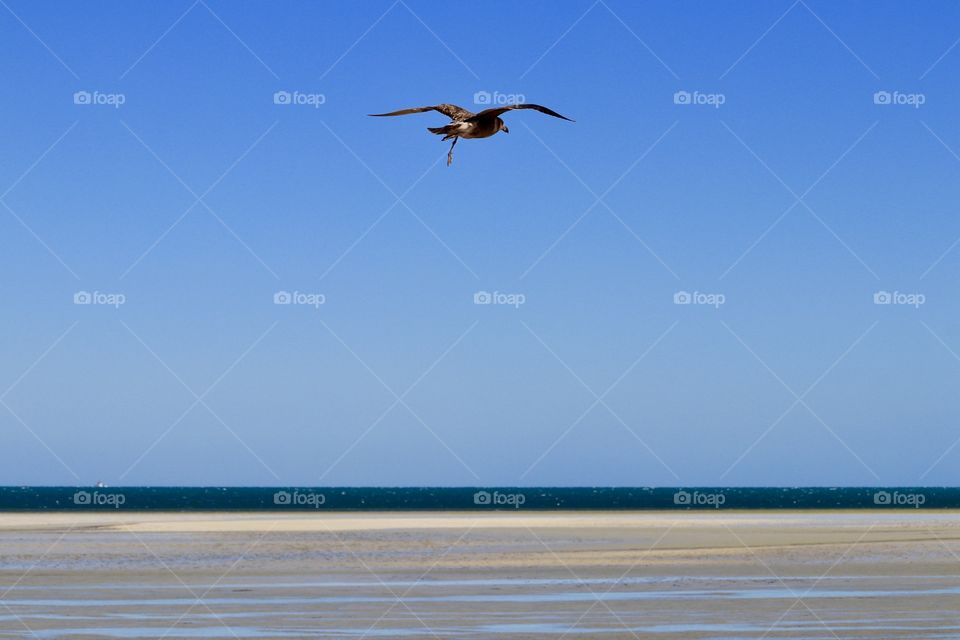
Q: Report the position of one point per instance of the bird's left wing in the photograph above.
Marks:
(499, 110)
(452, 111)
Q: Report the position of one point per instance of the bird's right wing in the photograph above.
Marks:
(452, 111)
(486, 113)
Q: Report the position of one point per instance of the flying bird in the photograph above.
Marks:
(470, 125)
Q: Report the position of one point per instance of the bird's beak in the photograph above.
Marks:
(505, 130)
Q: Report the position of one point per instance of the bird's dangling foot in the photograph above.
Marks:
(450, 153)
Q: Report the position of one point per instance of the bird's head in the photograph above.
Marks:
(502, 126)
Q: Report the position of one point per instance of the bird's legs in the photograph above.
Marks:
(450, 153)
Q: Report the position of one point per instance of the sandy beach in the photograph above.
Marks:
(676, 575)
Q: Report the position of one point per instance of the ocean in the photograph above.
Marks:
(471, 498)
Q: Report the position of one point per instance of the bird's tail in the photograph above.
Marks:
(441, 130)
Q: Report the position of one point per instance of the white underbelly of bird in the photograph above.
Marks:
(477, 130)
(466, 130)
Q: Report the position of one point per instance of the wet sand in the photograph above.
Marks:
(893, 574)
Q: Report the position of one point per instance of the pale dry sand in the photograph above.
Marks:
(678, 575)
(213, 522)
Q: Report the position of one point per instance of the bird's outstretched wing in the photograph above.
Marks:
(488, 113)
(452, 111)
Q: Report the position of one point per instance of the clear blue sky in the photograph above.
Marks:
(797, 199)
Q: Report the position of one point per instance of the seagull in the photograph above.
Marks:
(470, 125)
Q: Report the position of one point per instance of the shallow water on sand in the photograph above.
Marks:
(495, 607)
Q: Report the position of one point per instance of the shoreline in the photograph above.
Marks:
(258, 521)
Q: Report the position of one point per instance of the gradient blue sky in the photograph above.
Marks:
(399, 378)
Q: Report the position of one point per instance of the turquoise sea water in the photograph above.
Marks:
(471, 498)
